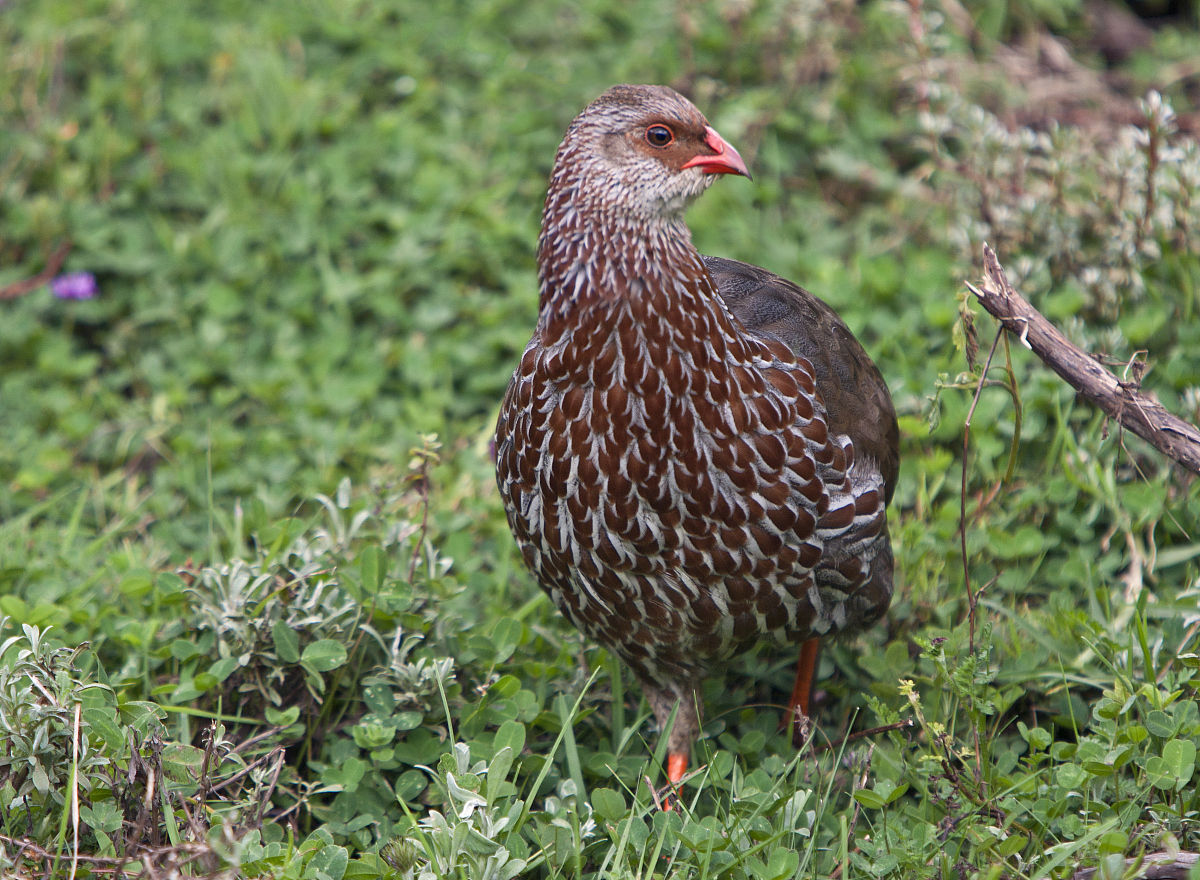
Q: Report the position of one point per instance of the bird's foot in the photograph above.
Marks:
(802, 727)
(666, 797)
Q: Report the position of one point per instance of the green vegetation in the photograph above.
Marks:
(260, 610)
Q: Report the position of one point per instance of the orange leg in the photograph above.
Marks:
(806, 671)
(676, 767)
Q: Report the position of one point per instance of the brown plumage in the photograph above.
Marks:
(695, 455)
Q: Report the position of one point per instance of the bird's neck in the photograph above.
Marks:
(593, 262)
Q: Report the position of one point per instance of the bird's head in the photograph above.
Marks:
(642, 150)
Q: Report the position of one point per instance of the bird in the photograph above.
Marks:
(694, 454)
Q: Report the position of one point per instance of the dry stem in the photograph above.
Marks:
(1123, 401)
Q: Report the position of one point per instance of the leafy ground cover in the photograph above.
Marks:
(261, 612)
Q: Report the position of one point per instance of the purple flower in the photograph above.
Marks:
(74, 285)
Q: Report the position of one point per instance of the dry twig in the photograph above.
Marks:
(54, 262)
(1153, 866)
(1123, 401)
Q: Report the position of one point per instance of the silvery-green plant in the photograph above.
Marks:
(476, 834)
(1092, 208)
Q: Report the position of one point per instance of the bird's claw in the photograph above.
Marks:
(802, 727)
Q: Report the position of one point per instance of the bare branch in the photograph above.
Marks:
(1153, 866)
(54, 262)
(1123, 401)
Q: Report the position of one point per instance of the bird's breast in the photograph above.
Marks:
(638, 446)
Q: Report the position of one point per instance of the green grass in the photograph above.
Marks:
(260, 604)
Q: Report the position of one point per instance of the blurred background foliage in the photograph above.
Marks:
(312, 228)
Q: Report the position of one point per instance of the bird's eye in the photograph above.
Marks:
(659, 136)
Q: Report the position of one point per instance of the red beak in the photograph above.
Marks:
(726, 160)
